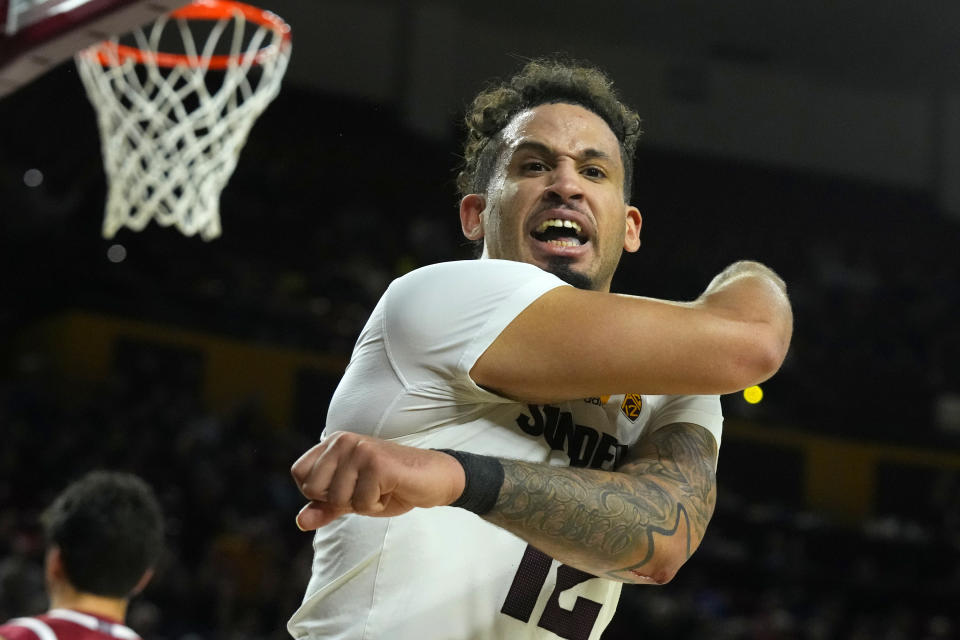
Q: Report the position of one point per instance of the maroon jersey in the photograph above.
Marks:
(66, 624)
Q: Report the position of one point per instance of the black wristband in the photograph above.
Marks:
(484, 477)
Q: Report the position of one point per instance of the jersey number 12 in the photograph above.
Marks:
(572, 624)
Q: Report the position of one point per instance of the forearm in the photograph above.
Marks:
(638, 524)
(736, 334)
(752, 293)
(604, 523)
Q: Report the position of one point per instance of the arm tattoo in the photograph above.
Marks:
(587, 514)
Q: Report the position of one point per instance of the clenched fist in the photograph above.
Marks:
(351, 473)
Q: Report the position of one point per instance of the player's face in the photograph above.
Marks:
(556, 197)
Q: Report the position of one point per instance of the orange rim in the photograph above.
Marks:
(109, 54)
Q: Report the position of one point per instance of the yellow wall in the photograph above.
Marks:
(81, 344)
(839, 474)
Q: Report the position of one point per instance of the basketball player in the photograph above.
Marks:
(104, 534)
(505, 450)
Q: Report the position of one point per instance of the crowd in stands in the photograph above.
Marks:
(235, 563)
(236, 566)
(315, 227)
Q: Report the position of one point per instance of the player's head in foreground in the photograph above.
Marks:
(547, 169)
(104, 535)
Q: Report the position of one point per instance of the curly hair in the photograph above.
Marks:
(109, 527)
(542, 81)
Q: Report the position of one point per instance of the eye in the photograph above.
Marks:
(534, 166)
(594, 172)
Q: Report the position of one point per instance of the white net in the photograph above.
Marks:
(172, 132)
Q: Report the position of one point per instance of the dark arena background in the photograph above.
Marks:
(823, 141)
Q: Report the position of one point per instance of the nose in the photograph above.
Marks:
(565, 184)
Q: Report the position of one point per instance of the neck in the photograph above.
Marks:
(111, 608)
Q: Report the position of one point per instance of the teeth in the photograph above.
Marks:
(564, 243)
(569, 224)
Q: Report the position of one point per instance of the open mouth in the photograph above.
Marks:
(561, 233)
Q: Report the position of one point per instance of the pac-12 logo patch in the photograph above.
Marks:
(631, 406)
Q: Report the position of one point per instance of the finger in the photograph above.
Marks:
(368, 494)
(318, 514)
(304, 464)
(317, 478)
(342, 482)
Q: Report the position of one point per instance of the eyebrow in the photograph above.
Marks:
(586, 154)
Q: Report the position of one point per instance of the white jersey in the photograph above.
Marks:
(445, 573)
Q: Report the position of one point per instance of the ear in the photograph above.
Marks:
(143, 582)
(631, 240)
(471, 218)
(53, 565)
(54, 573)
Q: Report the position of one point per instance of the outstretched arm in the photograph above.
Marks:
(734, 335)
(637, 524)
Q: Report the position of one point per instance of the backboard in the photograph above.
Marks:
(36, 35)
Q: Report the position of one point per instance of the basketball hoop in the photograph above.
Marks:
(172, 123)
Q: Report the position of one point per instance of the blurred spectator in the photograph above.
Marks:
(104, 535)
